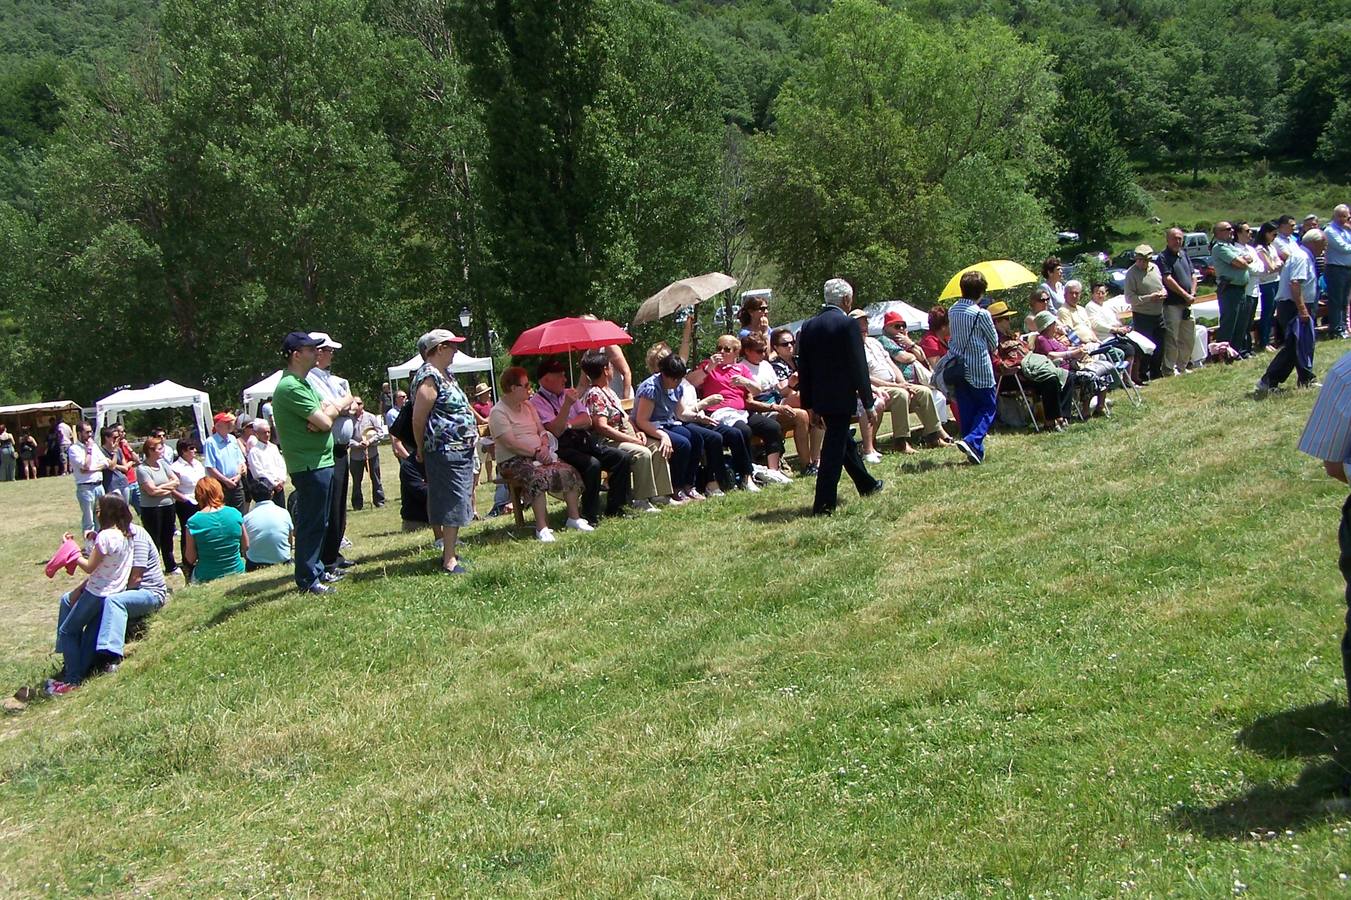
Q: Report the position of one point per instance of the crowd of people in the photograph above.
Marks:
(686, 432)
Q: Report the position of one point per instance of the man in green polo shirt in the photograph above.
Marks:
(304, 425)
(1231, 261)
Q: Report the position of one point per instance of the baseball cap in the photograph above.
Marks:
(296, 340)
(325, 342)
(893, 318)
(858, 314)
(1144, 250)
(435, 338)
(224, 416)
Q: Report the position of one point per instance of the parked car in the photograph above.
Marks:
(1116, 280)
(1195, 244)
(1125, 259)
(1205, 268)
(1067, 237)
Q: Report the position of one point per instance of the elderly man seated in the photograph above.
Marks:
(910, 359)
(265, 463)
(1075, 318)
(902, 397)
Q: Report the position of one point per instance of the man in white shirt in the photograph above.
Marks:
(1075, 318)
(1296, 301)
(266, 465)
(902, 397)
(87, 461)
(393, 412)
(339, 393)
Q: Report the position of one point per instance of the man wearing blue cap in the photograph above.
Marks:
(305, 426)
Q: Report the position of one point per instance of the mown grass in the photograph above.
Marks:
(1106, 662)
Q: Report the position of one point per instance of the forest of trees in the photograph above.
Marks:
(182, 182)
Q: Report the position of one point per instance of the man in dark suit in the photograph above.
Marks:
(832, 379)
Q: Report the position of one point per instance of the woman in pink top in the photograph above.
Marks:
(526, 457)
(735, 382)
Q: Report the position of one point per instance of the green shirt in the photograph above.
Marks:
(302, 448)
(1225, 252)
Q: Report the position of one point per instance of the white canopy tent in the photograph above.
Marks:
(915, 319)
(256, 395)
(463, 365)
(164, 395)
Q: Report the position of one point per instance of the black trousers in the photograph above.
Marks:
(359, 472)
(1286, 359)
(1151, 327)
(159, 522)
(590, 457)
(1055, 400)
(1344, 563)
(234, 496)
(337, 510)
(839, 451)
(768, 430)
(183, 512)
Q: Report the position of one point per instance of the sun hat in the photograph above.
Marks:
(1144, 250)
(1044, 320)
(858, 314)
(999, 310)
(325, 342)
(480, 389)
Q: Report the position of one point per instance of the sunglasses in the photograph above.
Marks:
(786, 343)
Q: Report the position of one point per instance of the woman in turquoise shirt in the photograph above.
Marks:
(216, 537)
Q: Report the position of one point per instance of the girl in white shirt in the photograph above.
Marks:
(108, 566)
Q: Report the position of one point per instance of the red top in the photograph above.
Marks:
(719, 381)
(933, 346)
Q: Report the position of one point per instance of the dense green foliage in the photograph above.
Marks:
(227, 170)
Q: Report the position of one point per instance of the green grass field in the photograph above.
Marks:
(1104, 663)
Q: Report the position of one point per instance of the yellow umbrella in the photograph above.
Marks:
(999, 274)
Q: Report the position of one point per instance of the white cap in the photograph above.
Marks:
(325, 342)
(836, 290)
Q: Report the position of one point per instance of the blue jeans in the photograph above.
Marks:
(977, 408)
(1266, 326)
(312, 490)
(77, 628)
(713, 466)
(687, 448)
(118, 609)
(736, 444)
(1339, 282)
(87, 495)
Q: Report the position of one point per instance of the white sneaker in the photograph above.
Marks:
(644, 506)
(873, 457)
(750, 485)
(545, 535)
(715, 492)
(693, 494)
(578, 525)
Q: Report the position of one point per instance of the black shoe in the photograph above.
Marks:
(810, 469)
(319, 589)
(970, 452)
(875, 489)
(344, 563)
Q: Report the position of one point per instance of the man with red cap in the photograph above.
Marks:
(224, 458)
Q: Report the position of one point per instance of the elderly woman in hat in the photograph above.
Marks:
(482, 405)
(445, 432)
(1051, 343)
(1013, 357)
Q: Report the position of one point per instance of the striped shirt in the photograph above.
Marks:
(1327, 436)
(973, 339)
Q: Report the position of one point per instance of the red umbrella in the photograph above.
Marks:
(562, 335)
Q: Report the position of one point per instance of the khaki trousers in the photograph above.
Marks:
(1179, 336)
(651, 474)
(918, 407)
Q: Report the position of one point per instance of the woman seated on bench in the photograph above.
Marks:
(1091, 386)
(723, 375)
(525, 455)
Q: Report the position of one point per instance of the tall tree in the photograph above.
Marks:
(1094, 184)
(893, 139)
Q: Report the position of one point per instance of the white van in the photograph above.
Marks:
(1195, 243)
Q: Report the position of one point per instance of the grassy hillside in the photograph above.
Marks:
(1106, 662)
